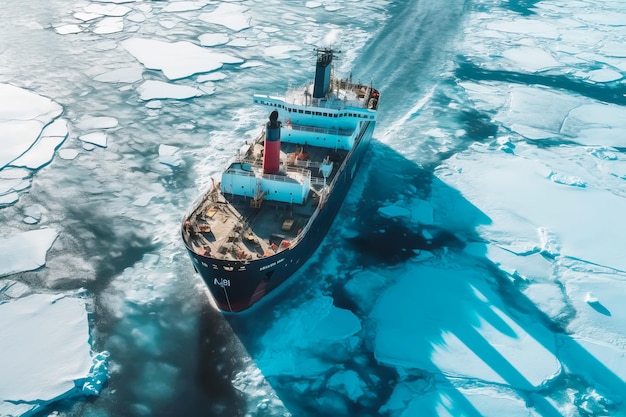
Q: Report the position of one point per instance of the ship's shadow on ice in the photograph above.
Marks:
(412, 309)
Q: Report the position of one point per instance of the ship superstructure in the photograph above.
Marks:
(278, 196)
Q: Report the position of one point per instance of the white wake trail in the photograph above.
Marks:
(395, 127)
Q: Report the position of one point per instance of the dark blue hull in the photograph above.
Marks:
(237, 285)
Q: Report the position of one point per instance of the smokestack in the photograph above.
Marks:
(271, 153)
(322, 73)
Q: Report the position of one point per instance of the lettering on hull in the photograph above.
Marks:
(263, 268)
(222, 283)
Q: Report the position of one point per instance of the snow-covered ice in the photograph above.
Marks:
(177, 59)
(25, 251)
(46, 353)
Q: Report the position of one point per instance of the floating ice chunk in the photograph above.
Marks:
(16, 138)
(21, 104)
(452, 402)
(33, 212)
(596, 124)
(9, 199)
(107, 9)
(98, 375)
(109, 25)
(394, 210)
(122, 75)
(178, 59)
(13, 185)
(168, 155)
(531, 59)
(86, 17)
(313, 4)
(152, 89)
(44, 340)
(213, 39)
(280, 51)
(251, 64)
(349, 383)
(422, 212)
(364, 288)
(95, 138)
(452, 322)
(136, 17)
(40, 154)
(509, 200)
(213, 76)
(96, 122)
(68, 29)
(604, 76)
(68, 154)
(337, 324)
(229, 15)
(241, 42)
(25, 251)
(23, 115)
(289, 346)
(154, 104)
(183, 6)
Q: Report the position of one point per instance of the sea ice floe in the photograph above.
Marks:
(46, 353)
(95, 138)
(25, 251)
(107, 9)
(213, 39)
(448, 401)
(109, 25)
(88, 122)
(539, 59)
(530, 266)
(184, 6)
(230, 15)
(168, 155)
(517, 196)
(152, 89)
(121, 75)
(29, 135)
(317, 323)
(178, 59)
(419, 328)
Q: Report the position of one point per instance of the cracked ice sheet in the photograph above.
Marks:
(599, 327)
(542, 113)
(23, 115)
(553, 198)
(451, 322)
(25, 251)
(317, 322)
(44, 340)
(488, 401)
(582, 38)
